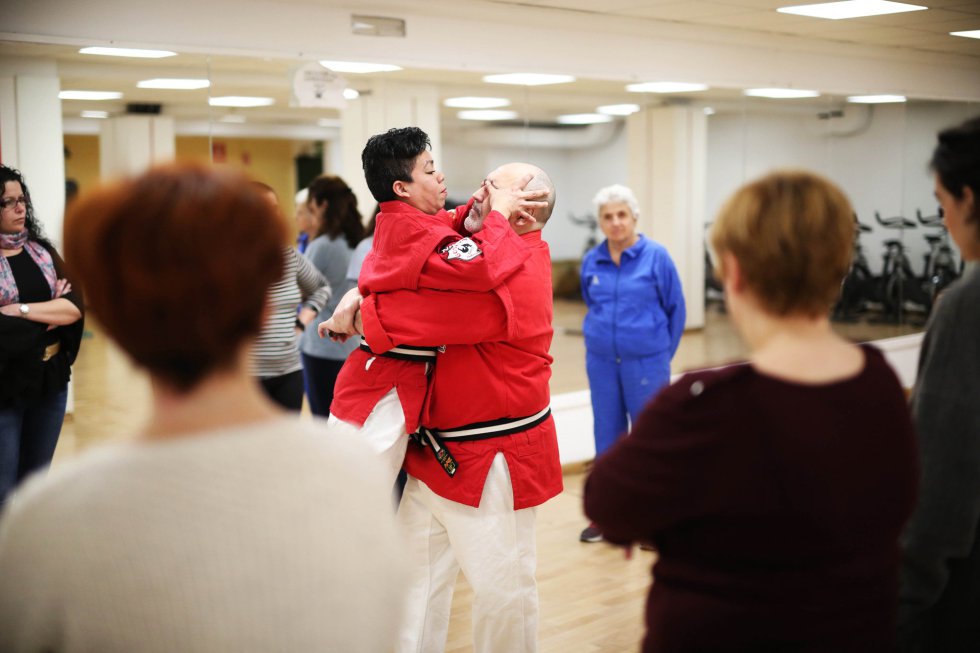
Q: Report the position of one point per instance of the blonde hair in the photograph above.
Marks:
(792, 233)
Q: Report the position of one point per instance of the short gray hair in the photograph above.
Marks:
(616, 193)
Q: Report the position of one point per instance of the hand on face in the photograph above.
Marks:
(507, 196)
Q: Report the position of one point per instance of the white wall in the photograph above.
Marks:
(880, 161)
(879, 158)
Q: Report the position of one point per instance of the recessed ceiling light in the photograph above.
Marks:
(233, 117)
(95, 114)
(240, 101)
(618, 109)
(875, 99)
(351, 94)
(128, 52)
(970, 33)
(89, 95)
(173, 83)
(850, 9)
(781, 93)
(487, 114)
(665, 87)
(473, 102)
(583, 118)
(528, 79)
(358, 67)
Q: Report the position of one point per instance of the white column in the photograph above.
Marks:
(667, 168)
(388, 105)
(130, 144)
(31, 137)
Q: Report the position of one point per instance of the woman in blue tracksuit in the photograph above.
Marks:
(634, 322)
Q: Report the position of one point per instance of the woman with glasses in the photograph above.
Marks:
(40, 332)
(940, 596)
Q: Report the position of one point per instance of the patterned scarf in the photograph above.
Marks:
(41, 256)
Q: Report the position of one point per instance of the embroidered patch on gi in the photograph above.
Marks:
(464, 250)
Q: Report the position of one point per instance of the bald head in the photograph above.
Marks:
(509, 174)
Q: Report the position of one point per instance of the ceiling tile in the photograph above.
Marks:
(687, 11)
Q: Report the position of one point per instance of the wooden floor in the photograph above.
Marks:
(591, 597)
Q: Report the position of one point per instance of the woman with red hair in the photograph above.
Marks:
(226, 524)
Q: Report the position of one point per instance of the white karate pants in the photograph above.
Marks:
(495, 547)
(383, 431)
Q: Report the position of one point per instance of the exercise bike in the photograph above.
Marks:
(897, 282)
(857, 289)
(940, 265)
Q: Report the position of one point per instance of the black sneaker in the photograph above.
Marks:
(591, 534)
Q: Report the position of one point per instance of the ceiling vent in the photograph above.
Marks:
(144, 108)
(377, 26)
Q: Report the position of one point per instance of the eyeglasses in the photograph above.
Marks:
(11, 202)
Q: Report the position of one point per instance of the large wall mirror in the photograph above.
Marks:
(579, 131)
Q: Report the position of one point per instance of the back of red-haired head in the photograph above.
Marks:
(176, 264)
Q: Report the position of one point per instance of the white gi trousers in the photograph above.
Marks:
(384, 431)
(495, 547)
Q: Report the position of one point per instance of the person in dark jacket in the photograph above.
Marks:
(40, 332)
(939, 602)
(774, 491)
(635, 320)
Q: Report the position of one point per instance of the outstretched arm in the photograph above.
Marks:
(432, 318)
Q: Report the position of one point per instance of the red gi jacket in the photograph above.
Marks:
(411, 250)
(504, 376)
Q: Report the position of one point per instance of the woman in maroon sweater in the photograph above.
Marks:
(774, 490)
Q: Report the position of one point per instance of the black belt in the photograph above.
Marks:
(407, 352)
(435, 438)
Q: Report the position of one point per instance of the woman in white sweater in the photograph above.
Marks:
(225, 524)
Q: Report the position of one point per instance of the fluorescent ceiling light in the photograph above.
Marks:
(472, 102)
(128, 52)
(89, 95)
(781, 93)
(358, 67)
(351, 94)
(240, 101)
(665, 87)
(95, 114)
(970, 33)
(850, 9)
(487, 114)
(173, 83)
(618, 109)
(583, 118)
(233, 117)
(875, 99)
(528, 79)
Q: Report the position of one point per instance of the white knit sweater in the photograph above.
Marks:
(273, 537)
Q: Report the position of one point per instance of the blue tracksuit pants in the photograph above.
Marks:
(621, 388)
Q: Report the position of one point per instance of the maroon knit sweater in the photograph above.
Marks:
(775, 507)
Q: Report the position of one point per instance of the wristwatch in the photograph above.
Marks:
(24, 310)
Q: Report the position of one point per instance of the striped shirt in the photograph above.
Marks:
(276, 350)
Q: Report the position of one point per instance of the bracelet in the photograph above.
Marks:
(300, 325)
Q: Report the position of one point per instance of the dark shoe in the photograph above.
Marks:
(591, 534)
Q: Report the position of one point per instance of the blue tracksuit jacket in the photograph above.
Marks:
(636, 309)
